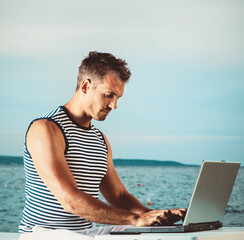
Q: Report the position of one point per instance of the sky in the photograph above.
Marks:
(185, 99)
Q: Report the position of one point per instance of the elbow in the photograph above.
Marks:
(70, 202)
(77, 203)
(68, 206)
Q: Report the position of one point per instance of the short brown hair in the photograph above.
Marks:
(96, 65)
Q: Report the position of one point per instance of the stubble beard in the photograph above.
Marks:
(101, 116)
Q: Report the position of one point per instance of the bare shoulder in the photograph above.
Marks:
(105, 138)
(107, 143)
(109, 156)
(46, 133)
(44, 126)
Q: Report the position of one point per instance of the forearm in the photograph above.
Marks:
(92, 209)
(131, 203)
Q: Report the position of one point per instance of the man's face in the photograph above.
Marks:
(103, 97)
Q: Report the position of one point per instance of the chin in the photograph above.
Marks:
(100, 118)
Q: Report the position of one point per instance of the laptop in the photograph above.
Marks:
(208, 202)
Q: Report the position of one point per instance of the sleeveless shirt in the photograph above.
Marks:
(86, 155)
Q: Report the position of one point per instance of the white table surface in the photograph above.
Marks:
(225, 233)
(233, 233)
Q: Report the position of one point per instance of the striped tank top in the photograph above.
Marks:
(86, 155)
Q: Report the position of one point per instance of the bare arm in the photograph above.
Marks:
(46, 145)
(114, 191)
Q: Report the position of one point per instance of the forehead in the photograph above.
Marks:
(111, 83)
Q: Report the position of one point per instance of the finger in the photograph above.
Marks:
(155, 224)
(167, 218)
(164, 222)
(183, 212)
(177, 217)
(179, 214)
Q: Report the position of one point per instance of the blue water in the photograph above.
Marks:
(164, 187)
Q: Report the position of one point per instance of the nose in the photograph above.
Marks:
(113, 103)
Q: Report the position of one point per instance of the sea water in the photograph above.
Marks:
(163, 187)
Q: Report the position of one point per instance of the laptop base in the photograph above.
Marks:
(171, 229)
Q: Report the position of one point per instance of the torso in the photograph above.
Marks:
(86, 155)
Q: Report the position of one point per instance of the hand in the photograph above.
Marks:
(161, 217)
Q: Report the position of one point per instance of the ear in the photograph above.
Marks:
(85, 85)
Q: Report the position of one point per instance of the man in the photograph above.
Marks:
(67, 161)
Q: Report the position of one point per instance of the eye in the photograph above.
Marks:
(108, 95)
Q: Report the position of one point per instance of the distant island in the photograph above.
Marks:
(144, 162)
(11, 160)
(117, 162)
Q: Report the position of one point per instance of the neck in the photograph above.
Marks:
(77, 111)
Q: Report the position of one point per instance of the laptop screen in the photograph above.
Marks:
(212, 192)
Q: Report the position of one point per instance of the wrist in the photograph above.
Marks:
(135, 219)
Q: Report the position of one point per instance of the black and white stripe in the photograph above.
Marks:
(86, 155)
